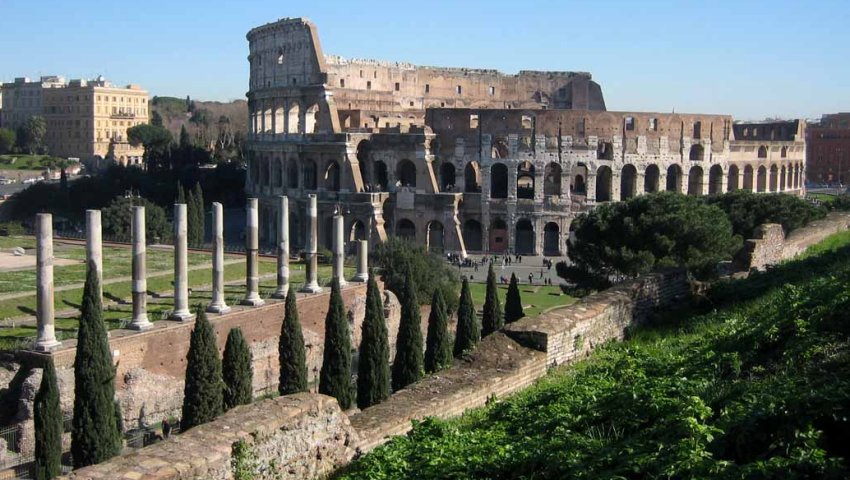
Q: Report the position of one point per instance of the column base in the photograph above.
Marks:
(220, 308)
(140, 324)
(360, 277)
(342, 282)
(182, 316)
(46, 345)
(281, 292)
(253, 300)
(312, 287)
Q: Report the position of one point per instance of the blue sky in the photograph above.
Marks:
(752, 59)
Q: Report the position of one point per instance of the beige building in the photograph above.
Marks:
(23, 98)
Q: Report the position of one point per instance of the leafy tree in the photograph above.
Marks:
(156, 140)
(468, 329)
(747, 210)
(237, 370)
(203, 393)
(156, 118)
(492, 319)
(408, 362)
(622, 240)
(117, 218)
(48, 426)
(438, 347)
(427, 270)
(94, 434)
(291, 352)
(34, 130)
(513, 302)
(335, 377)
(373, 369)
(7, 140)
(185, 141)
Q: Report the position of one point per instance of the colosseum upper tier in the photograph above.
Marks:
(469, 160)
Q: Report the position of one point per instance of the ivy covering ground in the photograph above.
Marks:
(756, 387)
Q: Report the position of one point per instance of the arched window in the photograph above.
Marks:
(674, 178)
(311, 119)
(603, 184)
(293, 119)
(761, 180)
(762, 152)
(748, 178)
(406, 173)
(498, 181)
(732, 178)
(715, 180)
(332, 177)
(292, 174)
(498, 236)
(697, 153)
(524, 237)
(434, 239)
(552, 179)
(309, 174)
(784, 152)
(774, 178)
(406, 229)
(605, 151)
(447, 177)
(525, 180)
(471, 178)
(551, 242)
(472, 235)
(650, 179)
(695, 181)
(357, 232)
(628, 182)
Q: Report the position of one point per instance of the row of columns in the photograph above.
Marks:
(46, 339)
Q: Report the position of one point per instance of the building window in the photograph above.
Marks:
(280, 57)
(361, 73)
(458, 89)
(492, 91)
(397, 86)
(411, 104)
(427, 88)
(653, 124)
(473, 121)
(294, 81)
(697, 129)
(342, 83)
(630, 123)
(375, 74)
(369, 85)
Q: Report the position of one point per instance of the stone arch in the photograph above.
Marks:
(525, 180)
(524, 237)
(472, 178)
(551, 239)
(434, 238)
(552, 179)
(697, 153)
(715, 180)
(628, 182)
(472, 235)
(761, 179)
(651, 177)
(500, 148)
(310, 181)
(332, 176)
(674, 178)
(357, 231)
(695, 181)
(279, 119)
(774, 178)
(498, 236)
(762, 153)
(406, 173)
(603, 184)
(406, 229)
(784, 152)
(579, 179)
(447, 177)
(732, 178)
(311, 119)
(748, 178)
(605, 151)
(364, 149)
(796, 176)
(294, 118)
(782, 179)
(292, 174)
(381, 175)
(498, 181)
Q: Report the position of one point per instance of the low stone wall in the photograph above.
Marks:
(298, 436)
(770, 246)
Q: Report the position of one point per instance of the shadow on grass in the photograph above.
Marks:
(72, 304)
(114, 298)
(27, 310)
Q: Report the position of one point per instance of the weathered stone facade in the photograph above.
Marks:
(469, 160)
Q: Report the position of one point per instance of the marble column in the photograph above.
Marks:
(282, 247)
(218, 304)
(181, 266)
(311, 256)
(362, 274)
(339, 249)
(94, 246)
(252, 247)
(140, 283)
(46, 339)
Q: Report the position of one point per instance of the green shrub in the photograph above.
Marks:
(747, 210)
(427, 269)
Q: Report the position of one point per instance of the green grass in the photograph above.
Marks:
(535, 298)
(25, 162)
(829, 244)
(822, 197)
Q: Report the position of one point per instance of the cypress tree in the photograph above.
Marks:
(492, 319)
(335, 377)
(200, 219)
(203, 393)
(468, 329)
(408, 362)
(438, 347)
(291, 352)
(191, 219)
(373, 368)
(185, 141)
(48, 426)
(94, 436)
(237, 370)
(513, 302)
(181, 194)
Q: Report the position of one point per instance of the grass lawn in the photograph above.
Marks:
(25, 162)
(828, 244)
(535, 298)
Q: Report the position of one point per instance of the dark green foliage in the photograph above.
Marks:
(373, 368)
(7, 140)
(203, 393)
(747, 210)
(756, 388)
(94, 436)
(408, 361)
(468, 328)
(335, 377)
(156, 141)
(185, 141)
(237, 371)
(291, 352)
(48, 426)
(438, 347)
(492, 318)
(840, 202)
(427, 269)
(198, 217)
(513, 302)
(622, 240)
(118, 217)
(32, 133)
(181, 194)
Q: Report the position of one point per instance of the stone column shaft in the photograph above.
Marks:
(140, 283)
(181, 265)
(218, 303)
(282, 247)
(362, 274)
(312, 283)
(45, 322)
(339, 249)
(252, 247)
(94, 247)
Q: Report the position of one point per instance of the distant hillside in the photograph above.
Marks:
(206, 122)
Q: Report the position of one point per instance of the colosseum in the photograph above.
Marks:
(469, 160)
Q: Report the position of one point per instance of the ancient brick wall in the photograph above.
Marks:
(298, 436)
(770, 246)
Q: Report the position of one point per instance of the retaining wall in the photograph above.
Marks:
(770, 246)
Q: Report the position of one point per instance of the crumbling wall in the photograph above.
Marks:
(769, 246)
(302, 436)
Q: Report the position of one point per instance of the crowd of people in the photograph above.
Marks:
(505, 260)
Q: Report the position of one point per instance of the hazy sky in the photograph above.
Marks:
(752, 59)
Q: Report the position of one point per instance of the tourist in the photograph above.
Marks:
(166, 428)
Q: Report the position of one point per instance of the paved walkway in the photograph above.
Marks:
(529, 265)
